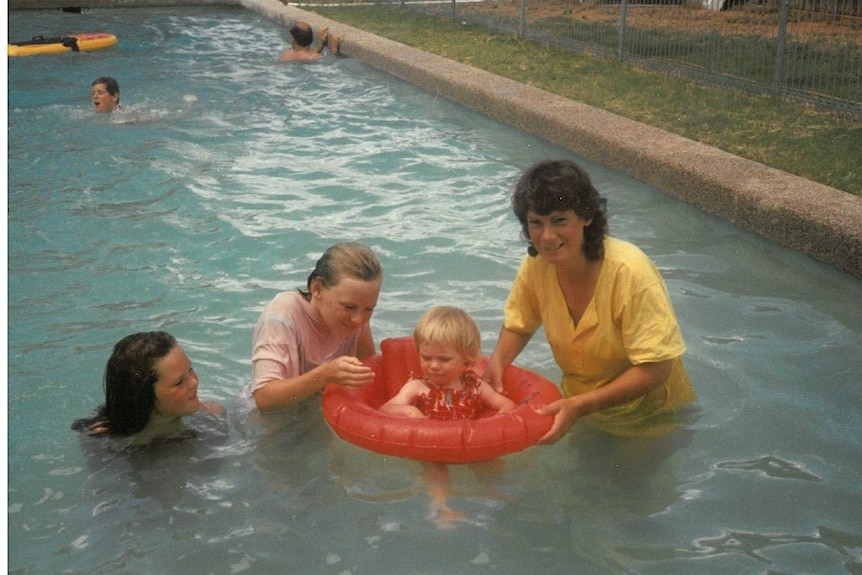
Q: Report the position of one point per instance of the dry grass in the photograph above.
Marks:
(793, 138)
(746, 20)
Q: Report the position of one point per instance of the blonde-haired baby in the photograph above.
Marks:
(449, 344)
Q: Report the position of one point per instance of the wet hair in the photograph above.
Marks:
(562, 185)
(111, 85)
(346, 259)
(130, 379)
(449, 326)
(302, 34)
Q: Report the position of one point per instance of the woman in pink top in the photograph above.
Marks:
(305, 339)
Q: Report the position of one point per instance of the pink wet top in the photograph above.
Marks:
(289, 340)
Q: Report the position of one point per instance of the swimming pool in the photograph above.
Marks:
(227, 178)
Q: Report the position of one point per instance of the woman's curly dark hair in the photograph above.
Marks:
(562, 185)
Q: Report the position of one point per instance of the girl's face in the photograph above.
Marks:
(442, 365)
(558, 236)
(347, 306)
(104, 101)
(177, 388)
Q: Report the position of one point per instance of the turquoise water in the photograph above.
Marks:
(220, 184)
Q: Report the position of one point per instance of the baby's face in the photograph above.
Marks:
(442, 365)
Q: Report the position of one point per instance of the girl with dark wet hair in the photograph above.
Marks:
(149, 381)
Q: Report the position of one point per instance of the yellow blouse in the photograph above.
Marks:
(630, 320)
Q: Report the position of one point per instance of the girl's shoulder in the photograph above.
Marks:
(212, 408)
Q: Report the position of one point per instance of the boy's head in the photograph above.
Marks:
(302, 34)
(451, 327)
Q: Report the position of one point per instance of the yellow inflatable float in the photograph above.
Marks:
(61, 44)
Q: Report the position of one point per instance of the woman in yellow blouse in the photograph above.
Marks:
(603, 304)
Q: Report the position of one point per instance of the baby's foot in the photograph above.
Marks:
(448, 519)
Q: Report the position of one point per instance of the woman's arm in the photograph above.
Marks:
(346, 371)
(631, 384)
(509, 345)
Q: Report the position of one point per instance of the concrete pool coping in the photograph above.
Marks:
(800, 214)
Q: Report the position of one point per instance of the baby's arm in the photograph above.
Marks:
(495, 400)
(402, 403)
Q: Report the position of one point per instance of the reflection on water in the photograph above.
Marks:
(757, 545)
(823, 550)
(192, 217)
(771, 467)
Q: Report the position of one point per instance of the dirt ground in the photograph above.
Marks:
(746, 19)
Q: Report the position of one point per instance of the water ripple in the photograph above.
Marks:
(771, 466)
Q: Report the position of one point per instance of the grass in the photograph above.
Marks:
(796, 139)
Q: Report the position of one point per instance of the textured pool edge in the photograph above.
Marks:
(797, 213)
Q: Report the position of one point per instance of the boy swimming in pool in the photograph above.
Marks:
(301, 39)
(105, 93)
(448, 343)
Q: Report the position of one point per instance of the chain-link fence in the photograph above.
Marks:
(805, 50)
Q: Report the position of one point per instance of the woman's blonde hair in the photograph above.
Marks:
(447, 325)
(347, 259)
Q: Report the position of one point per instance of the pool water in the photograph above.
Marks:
(220, 183)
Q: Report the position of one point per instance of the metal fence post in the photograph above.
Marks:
(621, 45)
(705, 59)
(522, 18)
(779, 49)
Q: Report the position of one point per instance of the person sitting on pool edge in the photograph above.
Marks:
(301, 39)
(150, 385)
(105, 92)
(449, 343)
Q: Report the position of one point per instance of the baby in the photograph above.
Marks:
(449, 343)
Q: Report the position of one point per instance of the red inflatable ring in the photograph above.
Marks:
(355, 417)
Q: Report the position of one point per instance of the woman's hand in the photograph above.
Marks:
(566, 412)
(349, 372)
(631, 384)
